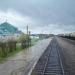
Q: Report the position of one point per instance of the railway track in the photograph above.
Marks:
(50, 62)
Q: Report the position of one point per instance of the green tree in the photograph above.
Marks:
(24, 40)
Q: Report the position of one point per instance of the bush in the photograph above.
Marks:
(6, 47)
(11, 45)
(24, 40)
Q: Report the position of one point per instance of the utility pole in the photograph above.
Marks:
(29, 38)
(27, 29)
(27, 35)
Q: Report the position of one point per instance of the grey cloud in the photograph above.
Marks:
(45, 12)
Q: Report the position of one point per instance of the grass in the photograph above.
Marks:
(18, 49)
(34, 40)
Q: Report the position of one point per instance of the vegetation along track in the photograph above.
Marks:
(50, 62)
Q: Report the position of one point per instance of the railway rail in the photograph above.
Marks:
(50, 62)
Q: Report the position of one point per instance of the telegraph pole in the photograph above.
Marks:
(27, 35)
(27, 29)
(29, 38)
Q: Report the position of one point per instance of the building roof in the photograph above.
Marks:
(8, 29)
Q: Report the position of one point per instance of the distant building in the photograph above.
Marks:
(44, 36)
(8, 31)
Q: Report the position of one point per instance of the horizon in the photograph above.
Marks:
(34, 33)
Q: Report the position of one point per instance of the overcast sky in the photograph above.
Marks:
(42, 16)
